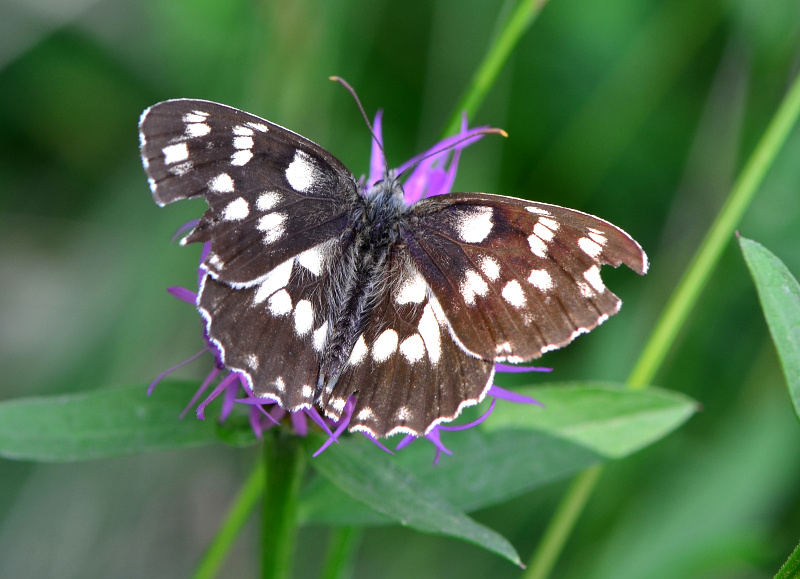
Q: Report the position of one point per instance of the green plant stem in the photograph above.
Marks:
(341, 552)
(675, 314)
(238, 514)
(519, 20)
(284, 462)
(790, 569)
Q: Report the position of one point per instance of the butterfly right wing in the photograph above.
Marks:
(272, 194)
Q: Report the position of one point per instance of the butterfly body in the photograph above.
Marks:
(316, 289)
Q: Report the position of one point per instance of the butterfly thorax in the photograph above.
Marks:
(362, 275)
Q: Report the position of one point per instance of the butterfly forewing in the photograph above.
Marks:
(515, 278)
(272, 194)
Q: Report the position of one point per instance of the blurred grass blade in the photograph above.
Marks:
(779, 293)
(518, 22)
(677, 311)
(368, 475)
(790, 569)
(101, 424)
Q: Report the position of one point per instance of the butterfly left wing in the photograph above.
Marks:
(272, 193)
(516, 278)
(406, 368)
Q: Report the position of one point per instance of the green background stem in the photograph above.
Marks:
(519, 20)
(675, 314)
(239, 513)
(284, 465)
(342, 549)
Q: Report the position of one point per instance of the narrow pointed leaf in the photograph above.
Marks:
(365, 474)
(779, 293)
(101, 424)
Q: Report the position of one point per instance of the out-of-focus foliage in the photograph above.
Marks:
(639, 112)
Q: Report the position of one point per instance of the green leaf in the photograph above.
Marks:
(370, 477)
(607, 418)
(779, 293)
(101, 424)
(520, 447)
(790, 569)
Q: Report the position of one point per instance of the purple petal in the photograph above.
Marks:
(227, 381)
(513, 369)
(498, 392)
(483, 417)
(183, 294)
(184, 228)
(433, 436)
(166, 373)
(209, 379)
(407, 439)
(376, 162)
(299, 422)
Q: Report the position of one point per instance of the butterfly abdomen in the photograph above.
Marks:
(362, 276)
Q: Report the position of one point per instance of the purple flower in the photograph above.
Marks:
(433, 173)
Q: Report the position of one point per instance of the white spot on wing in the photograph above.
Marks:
(241, 131)
(280, 303)
(241, 158)
(236, 210)
(195, 117)
(412, 290)
(551, 224)
(311, 259)
(258, 126)
(513, 294)
(592, 275)
(359, 351)
(412, 348)
(538, 211)
(307, 391)
(589, 247)
(403, 413)
(301, 172)
(175, 153)
(541, 279)
(222, 183)
(597, 236)
(384, 345)
(538, 247)
(543, 232)
(490, 267)
(320, 337)
(273, 281)
(243, 142)
(365, 414)
(252, 362)
(473, 285)
(280, 385)
(429, 330)
(197, 129)
(267, 200)
(273, 225)
(585, 290)
(181, 168)
(303, 317)
(475, 225)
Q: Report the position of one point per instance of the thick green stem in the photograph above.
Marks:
(519, 20)
(284, 465)
(676, 312)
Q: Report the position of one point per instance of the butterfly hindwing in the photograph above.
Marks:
(272, 194)
(516, 278)
(275, 332)
(408, 372)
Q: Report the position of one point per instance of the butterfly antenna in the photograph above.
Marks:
(415, 162)
(352, 92)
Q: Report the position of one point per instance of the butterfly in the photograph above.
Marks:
(316, 287)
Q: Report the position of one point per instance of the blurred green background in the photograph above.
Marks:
(639, 112)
